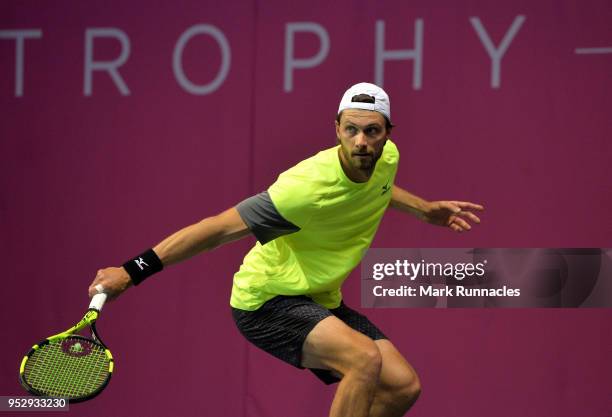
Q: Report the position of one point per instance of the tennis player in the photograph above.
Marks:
(313, 226)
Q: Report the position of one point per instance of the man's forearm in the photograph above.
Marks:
(407, 202)
(204, 235)
(187, 242)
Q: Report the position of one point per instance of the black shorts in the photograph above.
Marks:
(280, 327)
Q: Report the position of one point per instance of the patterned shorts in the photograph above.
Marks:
(281, 325)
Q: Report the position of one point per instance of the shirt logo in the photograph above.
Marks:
(140, 262)
(385, 188)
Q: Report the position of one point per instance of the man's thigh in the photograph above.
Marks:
(332, 345)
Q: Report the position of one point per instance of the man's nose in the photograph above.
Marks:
(360, 140)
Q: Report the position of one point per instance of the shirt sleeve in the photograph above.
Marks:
(295, 194)
(263, 219)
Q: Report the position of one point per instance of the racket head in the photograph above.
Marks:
(71, 366)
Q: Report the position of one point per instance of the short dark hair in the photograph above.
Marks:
(365, 98)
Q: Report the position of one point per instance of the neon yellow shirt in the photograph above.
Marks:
(337, 219)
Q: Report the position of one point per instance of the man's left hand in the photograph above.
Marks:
(453, 214)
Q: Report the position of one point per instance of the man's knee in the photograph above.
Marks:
(405, 390)
(410, 390)
(366, 362)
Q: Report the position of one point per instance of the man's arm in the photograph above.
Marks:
(452, 214)
(202, 236)
(407, 202)
(187, 242)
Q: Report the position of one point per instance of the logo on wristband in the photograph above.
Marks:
(135, 267)
(140, 262)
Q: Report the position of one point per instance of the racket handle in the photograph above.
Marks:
(98, 301)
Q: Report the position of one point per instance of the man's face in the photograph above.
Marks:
(362, 135)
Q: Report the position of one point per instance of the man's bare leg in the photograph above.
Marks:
(398, 386)
(335, 346)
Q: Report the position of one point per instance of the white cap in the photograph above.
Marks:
(381, 99)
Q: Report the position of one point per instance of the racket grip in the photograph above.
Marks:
(98, 301)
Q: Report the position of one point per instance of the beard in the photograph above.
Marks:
(360, 159)
(364, 161)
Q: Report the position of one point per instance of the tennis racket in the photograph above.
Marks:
(69, 365)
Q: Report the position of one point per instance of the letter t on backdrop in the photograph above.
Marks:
(20, 36)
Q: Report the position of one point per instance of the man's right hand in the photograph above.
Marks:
(114, 280)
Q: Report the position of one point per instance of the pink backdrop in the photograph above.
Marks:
(89, 179)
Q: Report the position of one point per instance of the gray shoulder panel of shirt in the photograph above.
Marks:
(262, 218)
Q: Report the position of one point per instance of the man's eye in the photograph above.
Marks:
(372, 131)
(351, 129)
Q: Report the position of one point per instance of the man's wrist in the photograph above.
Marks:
(126, 277)
(143, 266)
(424, 206)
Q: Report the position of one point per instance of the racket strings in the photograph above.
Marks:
(71, 367)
